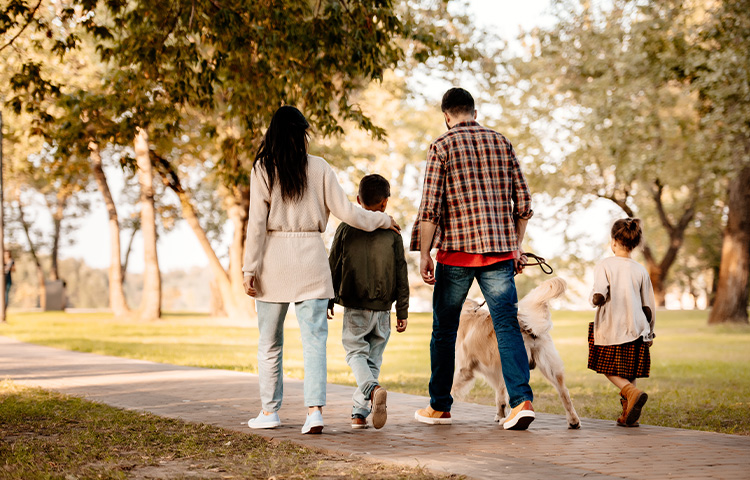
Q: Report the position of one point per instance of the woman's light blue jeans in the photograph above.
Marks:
(499, 289)
(313, 326)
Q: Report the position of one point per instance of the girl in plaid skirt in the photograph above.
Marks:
(623, 330)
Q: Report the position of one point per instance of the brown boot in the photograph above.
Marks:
(635, 400)
(621, 420)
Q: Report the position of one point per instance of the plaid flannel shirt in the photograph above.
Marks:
(473, 191)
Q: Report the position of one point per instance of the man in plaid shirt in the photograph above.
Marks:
(474, 210)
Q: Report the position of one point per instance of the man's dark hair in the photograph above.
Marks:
(457, 101)
(627, 232)
(373, 189)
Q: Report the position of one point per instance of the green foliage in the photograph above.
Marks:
(617, 117)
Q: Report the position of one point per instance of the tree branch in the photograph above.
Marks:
(656, 194)
(620, 203)
(29, 17)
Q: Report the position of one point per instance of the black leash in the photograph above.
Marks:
(538, 261)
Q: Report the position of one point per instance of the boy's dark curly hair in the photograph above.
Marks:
(627, 232)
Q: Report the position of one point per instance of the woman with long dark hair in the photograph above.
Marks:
(291, 196)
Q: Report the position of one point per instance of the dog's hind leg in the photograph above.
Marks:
(551, 367)
(496, 381)
(501, 402)
(463, 379)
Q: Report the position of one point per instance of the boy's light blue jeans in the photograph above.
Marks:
(313, 326)
(365, 334)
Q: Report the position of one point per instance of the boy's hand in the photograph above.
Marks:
(401, 324)
(650, 343)
(249, 284)
(329, 313)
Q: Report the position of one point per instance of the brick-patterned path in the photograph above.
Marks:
(473, 446)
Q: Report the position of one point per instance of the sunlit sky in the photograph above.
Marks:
(179, 248)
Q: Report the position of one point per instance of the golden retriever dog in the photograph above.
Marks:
(477, 353)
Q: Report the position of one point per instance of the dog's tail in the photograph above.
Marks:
(533, 309)
(549, 289)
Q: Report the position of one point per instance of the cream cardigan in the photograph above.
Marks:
(284, 248)
(626, 286)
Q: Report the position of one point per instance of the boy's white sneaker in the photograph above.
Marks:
(313, 423)
(265, 421)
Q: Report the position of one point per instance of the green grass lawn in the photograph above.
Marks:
(700, 375)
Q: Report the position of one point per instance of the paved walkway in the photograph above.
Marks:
(473, 446)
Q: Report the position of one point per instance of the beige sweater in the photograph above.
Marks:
(626, 286)
(284, 248)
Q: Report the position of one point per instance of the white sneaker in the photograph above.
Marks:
(313, 423)
(265, 421)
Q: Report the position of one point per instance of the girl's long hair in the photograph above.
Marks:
(283, 152)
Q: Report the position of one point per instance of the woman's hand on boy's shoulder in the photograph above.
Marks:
(395, 226)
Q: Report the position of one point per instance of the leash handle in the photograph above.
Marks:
(538, 261)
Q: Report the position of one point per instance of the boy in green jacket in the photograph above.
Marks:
(369, 274)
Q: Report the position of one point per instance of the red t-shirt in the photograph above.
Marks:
(463, 259)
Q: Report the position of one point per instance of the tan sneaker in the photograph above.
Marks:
(520, 417)
(433, 417)
(379, 413)
(636, 399)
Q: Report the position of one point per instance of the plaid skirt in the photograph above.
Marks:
(629, 360)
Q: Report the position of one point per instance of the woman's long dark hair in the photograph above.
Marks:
(283, 152)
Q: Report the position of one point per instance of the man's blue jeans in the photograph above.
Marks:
(499, 289)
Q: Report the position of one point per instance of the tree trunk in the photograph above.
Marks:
(232, 303)
(730, 304)
(117, 300)
(216, 307)
(657, 281)
(39, 272)
(237, 209)
(151, 298)
(58, 213)
(135, 229)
